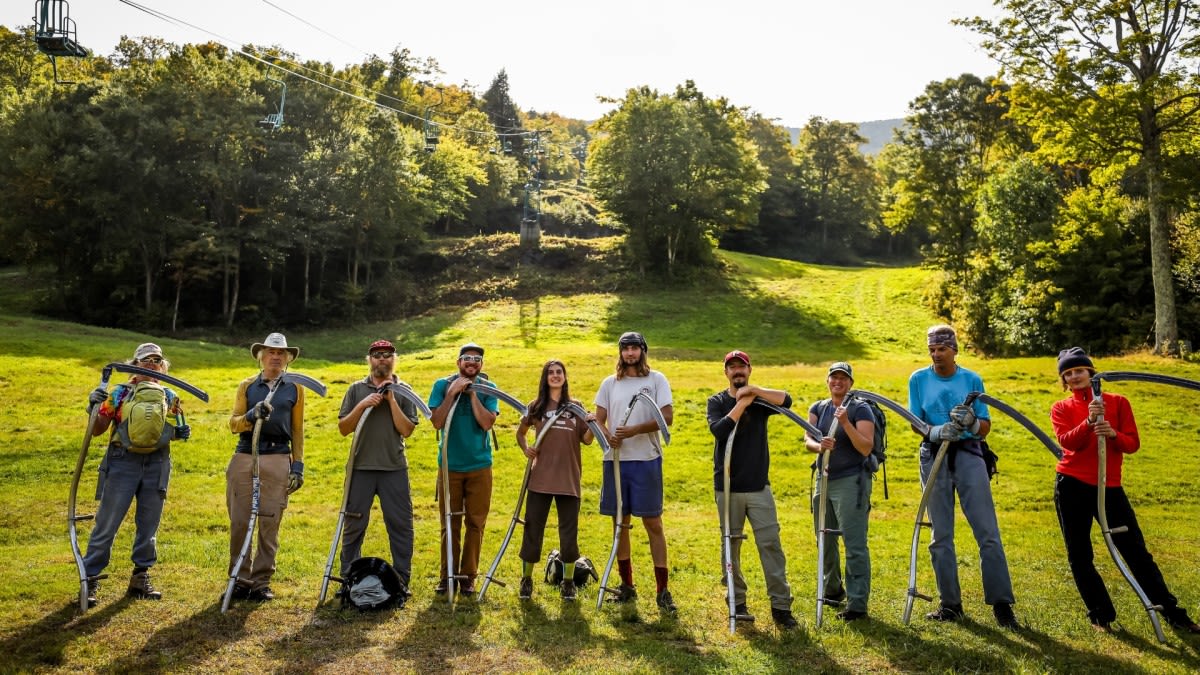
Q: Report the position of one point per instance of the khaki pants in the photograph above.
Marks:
(470, 492)
(259, 563)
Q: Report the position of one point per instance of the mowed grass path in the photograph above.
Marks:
(792, 318)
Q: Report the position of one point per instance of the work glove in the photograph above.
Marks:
(261, 410)
(183, 432)
(296, 477)
(964, 417)
(98, 396)
(949, 431)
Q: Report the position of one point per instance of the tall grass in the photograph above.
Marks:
(792, 318)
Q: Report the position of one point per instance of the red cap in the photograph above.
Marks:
(381, 345)
(737, 354)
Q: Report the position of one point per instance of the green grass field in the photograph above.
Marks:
(793, 319)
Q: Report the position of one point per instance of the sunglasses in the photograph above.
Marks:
(151, 359)
(471, 358)
(382, 355)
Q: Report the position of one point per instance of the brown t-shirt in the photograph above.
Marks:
(558, 468)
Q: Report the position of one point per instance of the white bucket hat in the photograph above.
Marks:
(274, 341)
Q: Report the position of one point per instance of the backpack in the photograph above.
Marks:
(584, 570)
(144, 427)
(372, 583)
(878, 454)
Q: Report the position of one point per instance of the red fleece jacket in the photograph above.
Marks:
(1078, 441)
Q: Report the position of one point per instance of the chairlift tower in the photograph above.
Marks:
(531, 215)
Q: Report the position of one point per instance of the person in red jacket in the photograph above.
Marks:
(1078, 421)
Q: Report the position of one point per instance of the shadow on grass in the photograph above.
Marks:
(788, 649)
(43, 643)
(440, 637)
(705, 322)
(184, 644)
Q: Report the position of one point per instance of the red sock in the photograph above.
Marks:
(660, 578)
(625, 569)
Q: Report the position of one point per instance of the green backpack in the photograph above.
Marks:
(144, 428)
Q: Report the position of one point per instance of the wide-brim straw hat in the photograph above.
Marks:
(274, 341)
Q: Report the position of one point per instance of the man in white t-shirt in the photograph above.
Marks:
(634, 434)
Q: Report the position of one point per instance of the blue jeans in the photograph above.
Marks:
(849, 504)
(970, 481)
(123, 476)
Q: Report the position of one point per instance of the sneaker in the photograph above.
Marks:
(1179, 619)
(1004, 616)
(741, 613)
(1102, 626)
(263, 594)
(93, 591)
(851, 615)
(625, 593)
(442, 586)
(665, 602)
(467, 588)
(526, 588)
(241, 592)
(946, 613)
(140, 586)
(784, 619)
(568, 590)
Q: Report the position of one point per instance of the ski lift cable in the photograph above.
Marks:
(316, 27)
(228, 43)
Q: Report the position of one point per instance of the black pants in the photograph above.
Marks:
(537, 509)
(1075, 502)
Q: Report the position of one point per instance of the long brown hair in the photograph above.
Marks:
(538, 407)
(643, 368)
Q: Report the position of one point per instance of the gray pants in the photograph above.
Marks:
(759, 509)
(395, 502)
(970, 481)
(847, 511)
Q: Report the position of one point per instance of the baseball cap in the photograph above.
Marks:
(470, 347)
(146, 349)
(737, 354)
(381, 346)
(842, 367)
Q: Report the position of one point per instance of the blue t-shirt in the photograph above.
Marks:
(931, 396)
(469, 447)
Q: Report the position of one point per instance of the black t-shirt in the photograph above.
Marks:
(751, 459)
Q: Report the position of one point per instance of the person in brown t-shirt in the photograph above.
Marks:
(554, 476)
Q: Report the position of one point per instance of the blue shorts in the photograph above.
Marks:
(641, 489)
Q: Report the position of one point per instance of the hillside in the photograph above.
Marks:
(792, 318)
(877, 132)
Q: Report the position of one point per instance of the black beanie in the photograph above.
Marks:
(1074, 357)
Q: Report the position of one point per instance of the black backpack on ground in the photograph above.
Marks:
(585, 571)
(371, 584)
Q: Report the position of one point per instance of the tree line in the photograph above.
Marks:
(1057, 198)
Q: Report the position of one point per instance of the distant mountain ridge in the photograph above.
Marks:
(877, 132)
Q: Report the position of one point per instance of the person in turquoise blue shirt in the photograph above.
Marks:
(470, 416)
(936, 394)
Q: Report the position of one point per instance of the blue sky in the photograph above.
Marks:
(854, 61)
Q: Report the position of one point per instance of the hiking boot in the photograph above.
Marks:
(784, 619)
(625, 593)
(242, 591)
(526, 591)
(140, 586)
(946, 613)
(1178, 618)
(1004, 616)
(837, 597)
(665, 602)
(851, 615)
(263, 594)
(467, 588)
(442, 587)
(568, 590)
(741, 613)
(93, 591)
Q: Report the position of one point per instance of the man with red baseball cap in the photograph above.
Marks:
(380, 465)
(730, 412)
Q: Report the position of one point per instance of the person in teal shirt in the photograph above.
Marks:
(470, 416)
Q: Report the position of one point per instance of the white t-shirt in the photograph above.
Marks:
(614, 396)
